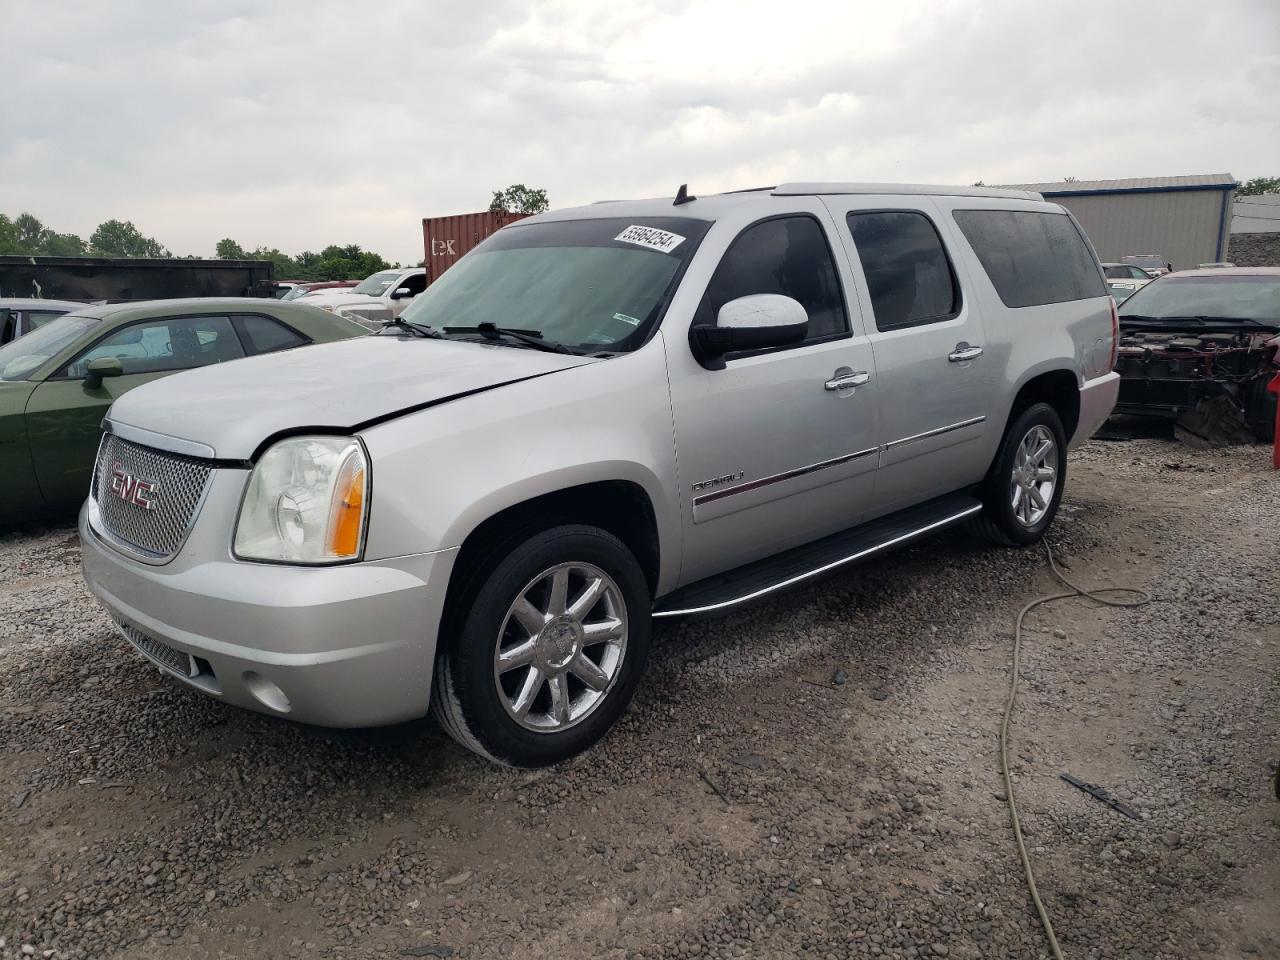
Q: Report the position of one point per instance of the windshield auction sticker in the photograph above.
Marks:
(650, 237)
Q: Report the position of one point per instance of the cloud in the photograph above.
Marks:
(299, 124)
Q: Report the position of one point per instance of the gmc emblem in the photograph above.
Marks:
(131, 489)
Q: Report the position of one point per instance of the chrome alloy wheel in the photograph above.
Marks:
(1035, 475)
(560, 647)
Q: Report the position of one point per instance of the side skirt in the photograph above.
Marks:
(791, 567)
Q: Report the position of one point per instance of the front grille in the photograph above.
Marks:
(177, 661)
(147, 499)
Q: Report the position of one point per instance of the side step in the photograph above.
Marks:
(794, 566)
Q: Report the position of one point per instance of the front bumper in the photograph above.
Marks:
(1097, 400)
(343, 646)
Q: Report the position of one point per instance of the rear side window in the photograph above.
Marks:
(909, 277)
(1032, 258)
(788, 256)
(264, 335)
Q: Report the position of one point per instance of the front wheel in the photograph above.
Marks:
(546, 649)
(1022, 492)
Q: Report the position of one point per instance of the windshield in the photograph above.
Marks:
(295, 293)
(376, 285)
(19, 358)
(1148, 261)
(591, 285)
(1244, 297)
(1121, 271)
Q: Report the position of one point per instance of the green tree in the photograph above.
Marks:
(345, 263)
(228, 249)
(8, 236)
(115, 238)
(62, 245)
(1257, 185)
(518, 198)
(26, 235)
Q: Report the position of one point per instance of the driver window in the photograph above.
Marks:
(156, 346)
(784, 255)
(415, 284)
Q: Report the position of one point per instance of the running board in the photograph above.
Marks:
(797, 565)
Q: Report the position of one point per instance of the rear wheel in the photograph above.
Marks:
(1022, 492)
(546, 650)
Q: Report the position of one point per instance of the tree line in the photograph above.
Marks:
(25, 235)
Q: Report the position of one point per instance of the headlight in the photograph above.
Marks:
(306, 502)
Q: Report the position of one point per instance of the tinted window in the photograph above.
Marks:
(1032, 258)
(788, 256)
(908, 274)
(414, 284)
(264, 335)
(176, 343)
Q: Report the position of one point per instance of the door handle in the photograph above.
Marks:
(963, 352)
(846, 379)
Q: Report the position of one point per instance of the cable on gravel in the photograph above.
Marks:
(1137, 598)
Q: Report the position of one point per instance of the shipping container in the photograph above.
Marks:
(445, 239)
(133, 278)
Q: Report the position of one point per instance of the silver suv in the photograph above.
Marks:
(598, 417)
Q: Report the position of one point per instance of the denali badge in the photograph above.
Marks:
(131, 489)
(707, 484)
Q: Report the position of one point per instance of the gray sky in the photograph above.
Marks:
(299, 124)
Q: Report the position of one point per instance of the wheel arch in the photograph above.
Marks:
(1057, 386)
(622, 507)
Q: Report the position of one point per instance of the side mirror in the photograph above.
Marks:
(756, 322)
(99, 368)
(402, 294)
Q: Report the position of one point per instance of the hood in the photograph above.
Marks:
(233, 407)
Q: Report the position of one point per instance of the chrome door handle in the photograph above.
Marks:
(963, 352)
(846, 380)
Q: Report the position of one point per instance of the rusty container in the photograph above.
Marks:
(445, 239)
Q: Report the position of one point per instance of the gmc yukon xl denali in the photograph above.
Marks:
(599, 417)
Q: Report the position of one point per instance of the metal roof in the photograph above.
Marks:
(1197, 181)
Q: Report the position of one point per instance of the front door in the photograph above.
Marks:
(64, 414)
(935, 374)
(777, 448)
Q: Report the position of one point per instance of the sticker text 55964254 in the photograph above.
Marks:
(651, 237)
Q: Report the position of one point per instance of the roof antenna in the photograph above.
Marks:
(682, 195)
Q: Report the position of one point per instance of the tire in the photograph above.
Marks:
(1002, 523)
(544, 705)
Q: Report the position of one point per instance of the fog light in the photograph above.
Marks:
(266, 692)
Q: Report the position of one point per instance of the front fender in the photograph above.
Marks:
(439, 473)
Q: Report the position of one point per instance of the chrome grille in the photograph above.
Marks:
(177, 661)
(179, 487)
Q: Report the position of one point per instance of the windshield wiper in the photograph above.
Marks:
(532, 338)
(413, 329)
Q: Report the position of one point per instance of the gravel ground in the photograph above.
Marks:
(814, 777)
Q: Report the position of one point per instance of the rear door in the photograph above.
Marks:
(64, 414)
(934, 375)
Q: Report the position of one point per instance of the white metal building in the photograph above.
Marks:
(1186, 220)
(1259, 213)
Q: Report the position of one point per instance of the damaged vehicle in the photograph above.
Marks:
(1200, 347)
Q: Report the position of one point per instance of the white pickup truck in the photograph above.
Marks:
(379, 297)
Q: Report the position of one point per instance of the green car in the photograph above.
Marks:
(57, 382)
